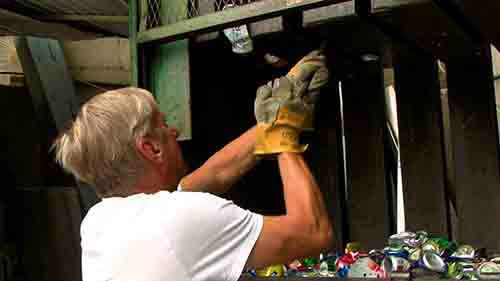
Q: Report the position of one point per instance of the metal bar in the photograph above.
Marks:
(242, 15)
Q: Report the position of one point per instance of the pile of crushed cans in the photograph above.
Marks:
(407, 255)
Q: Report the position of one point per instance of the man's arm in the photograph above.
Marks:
(225, 167)
(305, 230)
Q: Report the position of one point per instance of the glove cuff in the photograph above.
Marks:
(273, 139)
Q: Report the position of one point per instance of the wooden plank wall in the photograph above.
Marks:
(474, 133)
(51, 215)
(421, 141)
(369, 209)
(326, 159)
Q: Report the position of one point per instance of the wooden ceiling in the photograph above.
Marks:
(64, 19)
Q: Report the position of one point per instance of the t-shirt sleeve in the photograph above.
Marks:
(217, 236)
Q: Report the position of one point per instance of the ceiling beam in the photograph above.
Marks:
(87, 18)
(23, 25)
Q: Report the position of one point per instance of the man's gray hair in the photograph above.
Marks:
(100, 146)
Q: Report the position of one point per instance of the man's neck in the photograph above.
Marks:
(156, 181)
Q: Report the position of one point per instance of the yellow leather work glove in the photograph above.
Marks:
(286, 107)
(275, 138)
(308, 76)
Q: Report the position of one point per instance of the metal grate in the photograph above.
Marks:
(163, 12)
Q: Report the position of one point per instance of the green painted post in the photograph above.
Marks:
(132, 27)
(170, 83)
(169, 72)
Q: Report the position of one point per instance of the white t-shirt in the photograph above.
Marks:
(177, 236)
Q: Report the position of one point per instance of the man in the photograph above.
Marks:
(146, 229)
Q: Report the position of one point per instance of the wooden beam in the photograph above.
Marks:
(421, 142)
(436, 33)
(242, 15)
(370, 214)
(105, 60)
(334, 12)
(12, 80)
(9, 62)
(22, 25)
(87, 18)
(51, 90)
(474, 132)
(482, 15)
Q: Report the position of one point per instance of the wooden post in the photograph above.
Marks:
(327, 160)
(474, 132)
(368, 198)
(49, 233)
(421, 142)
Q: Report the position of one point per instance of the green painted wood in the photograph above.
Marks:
(52, 91)
(173, 11)
(170, 83)
(170, 75)
(242, 15)
(132, 14)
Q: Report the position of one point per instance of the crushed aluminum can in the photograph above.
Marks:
(365, 268)
(377, 255)
(272, 271)
(275, 61)
(402, 253)
(409, 239)
(433, 262)
(324, 270)
(238, 36)
(432, 245)
(495, 258)
(488, 271)
(352, 247)
(414, 255)
(465, 252)
(455, 271)
(310, 262)
(395, 264)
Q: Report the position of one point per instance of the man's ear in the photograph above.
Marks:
(150, 149)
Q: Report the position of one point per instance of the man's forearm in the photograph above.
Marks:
(225, 167)
(303, 198)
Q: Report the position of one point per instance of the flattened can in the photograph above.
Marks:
(396, 264)
(433, 262)
(488, 271)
